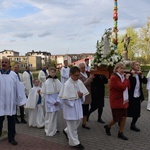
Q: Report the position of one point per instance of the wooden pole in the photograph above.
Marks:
(115, 27)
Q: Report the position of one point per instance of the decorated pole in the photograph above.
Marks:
(115, 27)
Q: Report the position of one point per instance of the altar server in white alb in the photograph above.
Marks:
(65, 72)
(50, 90)
(11, 94)
(73, 95)
(148, 88)
(28, 80)
(35, 106)
(42, 75)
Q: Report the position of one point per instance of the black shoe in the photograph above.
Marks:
(79, 146)
(57, 131)
(23, 121)
(100, 121)
(107, 130)
(13, 142)
(121, 136)
(17, 121)
(65, 134)
(85, 127)
(134, 128)
(0, 133)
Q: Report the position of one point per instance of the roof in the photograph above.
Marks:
(9, 51)
(81, 60)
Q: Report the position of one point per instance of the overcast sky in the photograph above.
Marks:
(64, 26)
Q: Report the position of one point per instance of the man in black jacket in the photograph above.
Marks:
(135, 94)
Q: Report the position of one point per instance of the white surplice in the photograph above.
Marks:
(35, 110)
(148, 88)
(42, 77)
(11, 93)
(72, 107)
(64, 74)
(50, 89)
(27, 81)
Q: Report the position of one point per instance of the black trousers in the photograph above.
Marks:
(95, 107)
(21, 112)
(10, 125)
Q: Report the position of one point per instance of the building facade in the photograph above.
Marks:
(33, 62)
(45, 56)
(8, 53)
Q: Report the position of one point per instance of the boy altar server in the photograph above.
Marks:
(50, 90)
(65, 72)
(73, 95)
(35, 106)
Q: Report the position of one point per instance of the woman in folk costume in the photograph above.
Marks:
(119, 84)
(148, 88)
(87, 82)
(73, 95)
(50, 90)
(28, 80)
(35, 106)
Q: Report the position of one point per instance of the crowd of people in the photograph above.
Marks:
(77, 94)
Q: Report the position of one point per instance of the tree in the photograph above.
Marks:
(144, 39)
(132, 33)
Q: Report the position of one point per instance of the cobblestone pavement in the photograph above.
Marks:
(93, 139)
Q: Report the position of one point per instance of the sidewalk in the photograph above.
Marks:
(94, 139)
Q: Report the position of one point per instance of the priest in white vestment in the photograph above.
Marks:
(35, 106)
(73, 95)
(28, 80)
(65, 72)
(42, 75)
(148, 88)
(50, 90)
(11, 94)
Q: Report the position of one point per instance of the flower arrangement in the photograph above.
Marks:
(102, 59)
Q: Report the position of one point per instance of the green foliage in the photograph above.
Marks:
(145, 68)
(53, 63)
(144, 39)
(132, 33)
(4, 133)
(35, 74)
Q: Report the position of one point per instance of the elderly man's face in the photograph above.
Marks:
(16, 68)
(5, 64)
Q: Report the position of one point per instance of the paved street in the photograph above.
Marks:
(94, 139)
